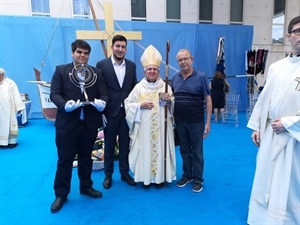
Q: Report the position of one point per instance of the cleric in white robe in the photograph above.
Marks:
(145, 115)
(10, 104)
(275, 121)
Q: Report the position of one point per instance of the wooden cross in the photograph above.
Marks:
(109, 33)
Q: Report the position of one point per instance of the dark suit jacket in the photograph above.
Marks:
(116, 94)
(62, 90)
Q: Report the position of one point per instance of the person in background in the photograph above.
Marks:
(192, 97)
(275, 121)
(10, 104)
(120, 78)
(76, 123)
(217, 85)
(145, 115)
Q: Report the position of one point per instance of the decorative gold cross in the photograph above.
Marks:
(109, 33)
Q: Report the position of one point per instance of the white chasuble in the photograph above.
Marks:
(275, 196)
(147, 134)
(10, 103)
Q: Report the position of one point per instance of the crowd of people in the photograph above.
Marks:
(144, 115)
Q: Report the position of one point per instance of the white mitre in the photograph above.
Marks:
(151, 56)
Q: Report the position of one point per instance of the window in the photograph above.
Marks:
(173, 11)
(81, 8)
(138, 10)
(236, 12)
(40, 8)
(278, 22)
(205, 11)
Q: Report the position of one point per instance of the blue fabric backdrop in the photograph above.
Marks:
(26, 41)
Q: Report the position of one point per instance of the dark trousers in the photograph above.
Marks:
(191, 149)
(116, 127)
(69, 143)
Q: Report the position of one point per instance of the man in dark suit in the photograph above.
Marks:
(120, 78)
(76, 123)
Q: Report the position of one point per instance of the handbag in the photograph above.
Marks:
(226, 87)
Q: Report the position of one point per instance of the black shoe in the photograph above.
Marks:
(58, 204)
(146, 186)
(128, 179)
(12, 145)
(161, 185)
(107, 182)
(91, 192)
(197, 187)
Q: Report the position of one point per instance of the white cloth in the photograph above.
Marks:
(146, 156)
(275, 196)
(10, 104)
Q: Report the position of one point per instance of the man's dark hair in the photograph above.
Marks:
(292, 23)
(119, 37)
(80, 44)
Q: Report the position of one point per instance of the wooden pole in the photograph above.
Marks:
(97, 27)
(166, 111)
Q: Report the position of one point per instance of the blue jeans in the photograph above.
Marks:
(191, 149)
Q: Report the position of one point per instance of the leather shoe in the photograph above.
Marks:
(13, 145)
(146, 186)
(91, 192)
(107, 182)
(58, 204)
(161, 185)
(128, 179)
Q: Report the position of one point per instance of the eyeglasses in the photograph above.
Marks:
(296, 32)
(82, 52)
(183, 60)
(149, 69)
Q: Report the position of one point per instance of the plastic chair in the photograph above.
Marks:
(231, 114)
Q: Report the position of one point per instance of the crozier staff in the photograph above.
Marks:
(145, 110)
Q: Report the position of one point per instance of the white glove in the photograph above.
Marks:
(99, 104)
(71, 105)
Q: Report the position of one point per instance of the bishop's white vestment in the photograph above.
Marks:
(275, 196)
(147, 132)
(10, 104)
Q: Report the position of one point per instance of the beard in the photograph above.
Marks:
(118, 58)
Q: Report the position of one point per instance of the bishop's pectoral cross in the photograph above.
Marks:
(109, 32)
(298, 85)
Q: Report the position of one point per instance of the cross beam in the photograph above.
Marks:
(109, 33)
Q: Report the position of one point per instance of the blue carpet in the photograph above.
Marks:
(27, 173)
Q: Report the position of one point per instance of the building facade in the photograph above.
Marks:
(268, 17)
